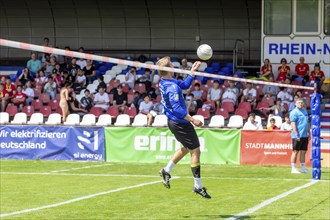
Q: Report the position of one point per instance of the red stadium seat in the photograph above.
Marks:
(263, 105)
(131, 111)
(204, 112)
(96, 111)
(130, 98)
(109, 87)
(28, 110)
(125, 87)
(44, 98)
(37, 92)
(59, 110)
(53, 104)
(114, 83)
(212, 104)
(140, 87)
(111, 98)
(223, 112)
(269, 100)
(113, 111)
(296, 83)
(228, 106)
(11, 110)
(46, 110)
(37, 104)
(246, 106)
(242, 112)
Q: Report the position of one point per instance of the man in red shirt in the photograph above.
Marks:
(19, 98)
(4, 96)
(302, 71)
(9, 87)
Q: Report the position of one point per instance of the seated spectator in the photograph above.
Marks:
(74, 105)
(252, 124)
(146, 108)
(67, 78)
(81, 62)
(317, 76)
(239, 85)
(266, 70)
(58, 80)
(131, 77)
(19, 98)
(184, 66)
(25, 76)
(57, 69)
(292, 104)
(249, 95)
(288, 82)
(214, 93)
(158, 108)
(120, 99)
(270, 91)
(9, 87)
(230, 94)
(283, 71)
(80, 82)
(49, 66)
(301, 71)
(286, 126)
(101, 99)
(28, 91)
(277, 109)
(4, 98)
(272, 125)
(190, 103)
(284, 96)
(198, 94)
(50, 88)
(86, 101)
(34, 65)
(102, 84)
(74, 67)
(90, 71)
(147, 79)
(41, 79)
(136, 100)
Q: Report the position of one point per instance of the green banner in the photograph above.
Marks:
(149, 145)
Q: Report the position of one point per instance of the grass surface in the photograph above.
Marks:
(26, 185)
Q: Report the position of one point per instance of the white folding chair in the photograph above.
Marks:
(121, 78)
(278, 121)
(140, 120)
(235, 121)
(104, 120)
(36, 119)
(19, 118)
(72, 119)
(122, 120)
(88, 120)
(217, 121)
(54, 119)
(199, 117)
(4, 118)
(160, 121)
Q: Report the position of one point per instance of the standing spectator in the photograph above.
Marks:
(81, 62)
(230, 94)
(101, 99)
(214, 93)
(89, 70)
(19, 98)
(299, 123)
(120, 99)
(80, 82)
(317, 76)
(41, 79)
(283, 71)
(50, 88)
(284, 96)
(131, 77)
(25, 76)
(145, 108)
(101, 84)
(272, 125)
(252, 124)
(73, 68)
(286, 126)
(74, 104)
(249, 95)
(270, 91)
(198, 94)
(28, 91)
(86, 101)
(49, 66)
(266, 70)
(4, 98)
(34, 65)
(9, 87)
(301, 71)
(64, 94)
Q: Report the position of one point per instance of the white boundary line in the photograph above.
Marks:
(152, 176)
(77, 199)
(80, 168)
(270, 201)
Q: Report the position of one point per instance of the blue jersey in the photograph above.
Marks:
(300, 117)
(172, 98)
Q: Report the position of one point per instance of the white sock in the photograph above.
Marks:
(293, 165)
(169, 166)
(198, 183)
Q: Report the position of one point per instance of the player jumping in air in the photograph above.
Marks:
(179, 122)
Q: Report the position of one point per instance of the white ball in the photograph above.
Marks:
(204, 52)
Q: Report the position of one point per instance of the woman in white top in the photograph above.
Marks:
(28, 91)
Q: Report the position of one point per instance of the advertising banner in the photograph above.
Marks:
(268, 148)
(52, 143)
(148, 145)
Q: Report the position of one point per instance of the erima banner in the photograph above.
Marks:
(267, 148)
(149, 145)
(52, 143)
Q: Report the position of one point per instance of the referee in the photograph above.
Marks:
(179, 122)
